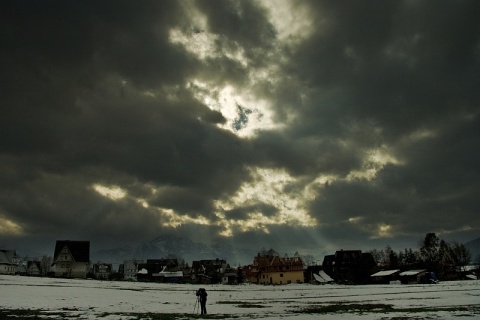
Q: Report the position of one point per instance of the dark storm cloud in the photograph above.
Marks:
(84, 95)
(96, 92)
(393, 62)
(373, 75)
(317, 155)
(243, 23)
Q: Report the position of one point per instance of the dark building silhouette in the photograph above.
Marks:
(349, 266)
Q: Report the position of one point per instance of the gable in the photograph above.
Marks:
(8, 257)
(79, 250)
(34, 265)
(3, 258)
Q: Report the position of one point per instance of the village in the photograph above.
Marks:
(71, 259)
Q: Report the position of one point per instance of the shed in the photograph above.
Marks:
(412, 276)
(385, 276)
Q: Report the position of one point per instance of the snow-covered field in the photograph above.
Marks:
(89, 299)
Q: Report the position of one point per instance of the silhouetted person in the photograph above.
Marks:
(202, 297)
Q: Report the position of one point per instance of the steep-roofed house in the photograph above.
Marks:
(71, 258)
(34, 268)
(270, 268)
(8, 261)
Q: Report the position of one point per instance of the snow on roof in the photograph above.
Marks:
(142, 271)
(467, 268)
(169, 274)
(384, 273)
(411, 272)
(322, 277)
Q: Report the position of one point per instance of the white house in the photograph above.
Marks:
(8, 261)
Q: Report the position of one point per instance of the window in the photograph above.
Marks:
(281, 275)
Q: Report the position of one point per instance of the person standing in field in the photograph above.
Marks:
(202, 297)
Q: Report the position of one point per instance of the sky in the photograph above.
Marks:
(306, 126)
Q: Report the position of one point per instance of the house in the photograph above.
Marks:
(160, 270)
(208, 271)
(270, 268)
(169, 275)
(102, 270)
(8, 261)
(349, 266)
(21, 268)
(231, 276)
(247, 275)
(130, 269)
(34, 268)
(71, 259)
(385, 276)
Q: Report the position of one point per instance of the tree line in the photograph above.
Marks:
(435, 254)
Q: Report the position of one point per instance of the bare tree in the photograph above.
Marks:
(379, 257)
(45, 264)
(308, 260)
(460, 254)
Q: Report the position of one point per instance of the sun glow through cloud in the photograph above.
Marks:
(174, 220)
(257, 113)
(267, 188)
(9, 227)
(384, 231)
(373, 162)
(113, 192)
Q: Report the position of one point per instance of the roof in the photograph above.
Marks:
(467, 268)
(7, 256)
(3, 258)
(262, 261)
(80, 250)
(412, 272)
(34, 263)
(384, 273)
(322, 277)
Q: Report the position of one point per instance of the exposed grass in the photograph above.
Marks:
(383, 308)
(344, 308)
(6, 314)
(15, 314)
(243, 304)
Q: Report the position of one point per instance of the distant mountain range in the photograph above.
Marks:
(182, 248)
(474, 248)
